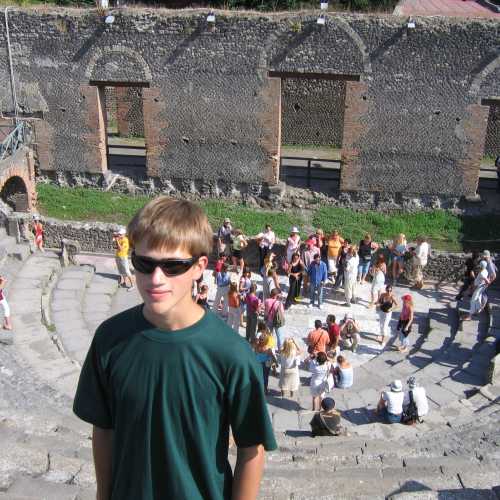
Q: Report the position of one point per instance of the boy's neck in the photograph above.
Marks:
(183, 316)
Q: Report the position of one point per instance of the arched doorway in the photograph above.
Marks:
(15, 194)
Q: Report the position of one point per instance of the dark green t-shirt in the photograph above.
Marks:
(170, 398)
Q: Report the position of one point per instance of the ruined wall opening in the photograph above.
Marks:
(15, 194)
(312, 129)
(488, 172)
(123, 118)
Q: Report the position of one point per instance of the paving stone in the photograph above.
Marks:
(42, 490)
(70, 284)
(65, 305)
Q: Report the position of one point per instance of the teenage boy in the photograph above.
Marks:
(163, 381)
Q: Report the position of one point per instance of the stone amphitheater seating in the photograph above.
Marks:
(46, 451)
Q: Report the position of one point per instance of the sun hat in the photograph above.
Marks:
(294, 230)
(227, 219)
(396, 386)
(486, 253)
(328, 404)
(412, 382)
(122, 231)
(406, 297)
(483, 264)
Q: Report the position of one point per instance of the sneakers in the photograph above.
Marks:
(309, 306)
(130, 288)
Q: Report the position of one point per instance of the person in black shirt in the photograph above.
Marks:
(469, 274)
(327, 421)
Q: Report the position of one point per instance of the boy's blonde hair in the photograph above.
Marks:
(168, 224)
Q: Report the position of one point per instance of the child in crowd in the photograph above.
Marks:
(234, 311)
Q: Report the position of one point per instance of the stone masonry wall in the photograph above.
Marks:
(492, 143)
(312, 112)
(413, 116)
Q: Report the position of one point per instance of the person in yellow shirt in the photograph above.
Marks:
(121, 258)
(334, 245)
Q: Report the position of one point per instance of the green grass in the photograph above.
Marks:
(95, 205)
(445, 230)
(441, 227)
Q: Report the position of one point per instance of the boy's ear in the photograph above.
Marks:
(202, 264)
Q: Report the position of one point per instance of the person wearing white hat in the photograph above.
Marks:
(292, 244)
(416, 395)
(121, 258)
(390, 405)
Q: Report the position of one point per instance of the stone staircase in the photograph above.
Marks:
(455, 453)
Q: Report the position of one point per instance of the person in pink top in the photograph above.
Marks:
(292, 244)
(405, 322)
(271, 306)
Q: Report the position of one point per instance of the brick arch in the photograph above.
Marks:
(128, 59)
(17, 177)
(481, 76)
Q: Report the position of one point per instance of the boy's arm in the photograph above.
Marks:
(102, 440)
(248, 472)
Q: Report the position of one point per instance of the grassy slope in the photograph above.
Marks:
(444, 229)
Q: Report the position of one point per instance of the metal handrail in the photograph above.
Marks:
(13, 141)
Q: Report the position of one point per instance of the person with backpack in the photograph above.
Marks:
(327, 421)
(274, 315)
(318, 339)
(415, 404)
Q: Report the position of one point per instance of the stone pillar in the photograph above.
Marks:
(270, 120)
(356, 107)
(155, 129)
(474, 127)
(95, 138)
(122, 110)
(44, 144)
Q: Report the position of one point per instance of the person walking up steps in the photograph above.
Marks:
(7, 325)
(39, 232)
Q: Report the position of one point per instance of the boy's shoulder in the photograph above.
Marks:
(120, 327)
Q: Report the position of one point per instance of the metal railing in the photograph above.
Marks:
(13, 141)
(313, 171)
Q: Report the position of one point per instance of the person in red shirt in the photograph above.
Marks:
(218, 265)
(333, 332)
(317, 339)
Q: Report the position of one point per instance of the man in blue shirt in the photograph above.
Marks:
(318, 274)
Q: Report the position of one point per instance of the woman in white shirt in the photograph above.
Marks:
(266, 241)
(421, 257)
(321, 376)
(289, 360)
(480, 283)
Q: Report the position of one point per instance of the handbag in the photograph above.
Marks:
(410, 414)
(328, 383)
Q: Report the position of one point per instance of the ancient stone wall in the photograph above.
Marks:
(413, 119)
(492, 143)
(312, 112)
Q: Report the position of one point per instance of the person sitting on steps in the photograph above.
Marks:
(327, 421)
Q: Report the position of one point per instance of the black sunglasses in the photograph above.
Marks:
(169, 267)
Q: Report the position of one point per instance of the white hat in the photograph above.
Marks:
(486, 253)
(36, 217)
(227, 220)
(483, 264)
(295, 230)
(122, 231)
(396, 386)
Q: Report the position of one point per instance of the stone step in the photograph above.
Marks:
(67, 313)
(28, 488)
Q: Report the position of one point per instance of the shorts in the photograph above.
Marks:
(332, 265)
(123, 266)
(5, 307)
(237, 254)
(364, 267)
